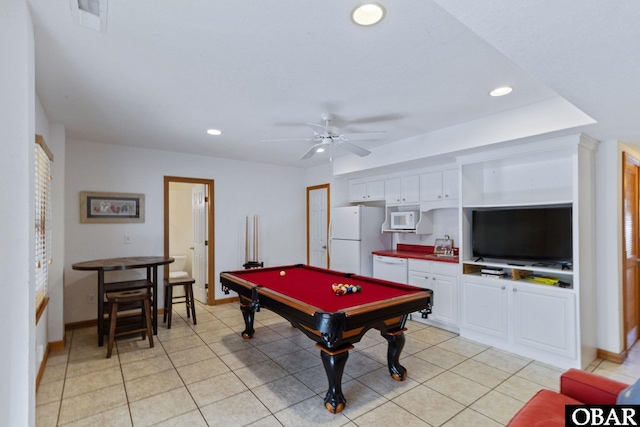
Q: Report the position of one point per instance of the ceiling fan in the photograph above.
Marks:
(326, 135)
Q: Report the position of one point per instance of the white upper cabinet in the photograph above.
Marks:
(431, 186)
(438, 186)
(369, 191)
(403, 190)
(450, 181)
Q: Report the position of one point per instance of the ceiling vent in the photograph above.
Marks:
(91, 14)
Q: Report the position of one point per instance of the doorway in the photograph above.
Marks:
(188, 232)
(631, 252)
(318, 214)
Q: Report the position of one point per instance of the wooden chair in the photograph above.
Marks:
(187, 299)
(127, 300)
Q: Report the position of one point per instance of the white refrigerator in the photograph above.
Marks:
(355, 232)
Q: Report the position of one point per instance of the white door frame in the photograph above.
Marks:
(211, 299)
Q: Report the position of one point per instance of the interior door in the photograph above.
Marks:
(317, 225)
(630, 292)
(199, 262)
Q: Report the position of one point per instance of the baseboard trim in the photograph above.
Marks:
(225, 301)
(58, 345)
(613, 357)
(80, 325)
(52, 346)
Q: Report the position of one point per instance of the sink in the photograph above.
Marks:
(444, 256)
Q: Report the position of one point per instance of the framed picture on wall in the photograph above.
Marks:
(96, 207)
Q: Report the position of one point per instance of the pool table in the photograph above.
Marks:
(304, 296)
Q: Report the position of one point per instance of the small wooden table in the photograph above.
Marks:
(151, 263)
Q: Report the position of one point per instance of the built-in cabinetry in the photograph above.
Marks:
(553, 324)
(442, 278)
(439, 186)
(421, 191)
(403, 190)
(366, 191)
(539, 317)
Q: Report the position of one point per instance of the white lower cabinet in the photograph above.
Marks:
(442, 279)
(535, 321)
(485, 307)
(544, 318)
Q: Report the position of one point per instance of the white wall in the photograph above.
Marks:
(17, 304)
(55, 310)
(323, 174)
(275, 193)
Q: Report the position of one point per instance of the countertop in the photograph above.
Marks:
(418, 252)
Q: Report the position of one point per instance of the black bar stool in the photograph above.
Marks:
(187, 299)
(128, 300)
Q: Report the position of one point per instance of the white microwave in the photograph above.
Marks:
(405, 220)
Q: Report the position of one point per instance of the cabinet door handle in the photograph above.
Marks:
(503, 288)
(515, 290)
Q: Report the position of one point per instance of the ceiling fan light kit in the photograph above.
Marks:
(330, 135)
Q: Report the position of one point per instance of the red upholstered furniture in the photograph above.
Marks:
(577, 387)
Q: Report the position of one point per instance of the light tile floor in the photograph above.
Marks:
(207, 375)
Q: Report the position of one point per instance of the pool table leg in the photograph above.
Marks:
(248, 313)
(334, 362)
(396, 344)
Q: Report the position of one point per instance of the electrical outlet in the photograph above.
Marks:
(127, 239)
(91, 299)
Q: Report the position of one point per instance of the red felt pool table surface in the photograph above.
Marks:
(313, 286)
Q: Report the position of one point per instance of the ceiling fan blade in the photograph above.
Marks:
(311, 151)
(292, 139)
(315, 125)
(379, 118)
(354, 149)
(361, 136)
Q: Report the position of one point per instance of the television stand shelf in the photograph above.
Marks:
(519, 271)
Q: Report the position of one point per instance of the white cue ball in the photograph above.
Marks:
(282, 273)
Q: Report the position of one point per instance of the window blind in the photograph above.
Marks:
(43, 160)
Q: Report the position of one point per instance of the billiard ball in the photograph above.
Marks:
(282, 273)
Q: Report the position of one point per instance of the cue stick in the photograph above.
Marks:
(255, 237)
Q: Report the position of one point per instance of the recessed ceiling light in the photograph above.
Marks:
(320, 150)
(500, 91)
(214, 132)
(368, 14)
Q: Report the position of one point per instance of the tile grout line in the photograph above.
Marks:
(183, 383)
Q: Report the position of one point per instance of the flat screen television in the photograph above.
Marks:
(541, 234)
